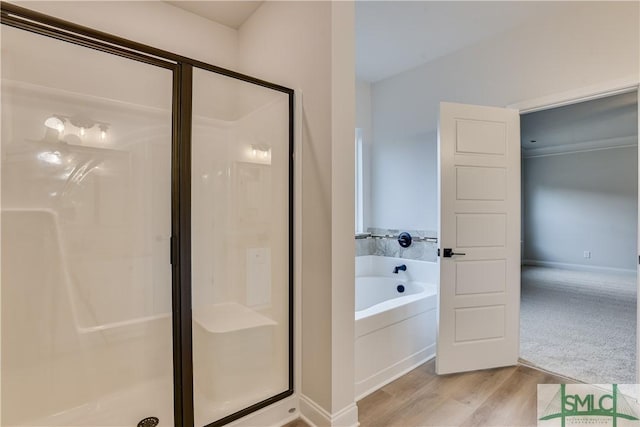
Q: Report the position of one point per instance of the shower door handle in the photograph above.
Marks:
(448, 253)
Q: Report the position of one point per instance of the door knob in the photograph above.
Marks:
(448, 253)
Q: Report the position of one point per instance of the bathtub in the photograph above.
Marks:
(395, 319)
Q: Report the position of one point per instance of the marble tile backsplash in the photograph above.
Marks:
(365, 246)
(424, 251)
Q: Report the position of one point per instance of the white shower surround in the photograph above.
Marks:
(398, 333)
(79, 359)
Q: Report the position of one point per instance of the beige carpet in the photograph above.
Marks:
(579, 324)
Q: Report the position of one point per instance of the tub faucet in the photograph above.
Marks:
(400, 267)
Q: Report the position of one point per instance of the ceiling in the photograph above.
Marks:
(230, 13)
(604, 122)
(395, 36)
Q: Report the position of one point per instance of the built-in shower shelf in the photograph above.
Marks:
(229, 317)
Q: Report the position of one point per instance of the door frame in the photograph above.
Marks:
(589, 93)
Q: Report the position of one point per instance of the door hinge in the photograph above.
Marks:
(438, 251)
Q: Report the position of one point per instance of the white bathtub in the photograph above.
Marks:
(395, 329)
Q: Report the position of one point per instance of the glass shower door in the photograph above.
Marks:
(240, 246)
(86, 225)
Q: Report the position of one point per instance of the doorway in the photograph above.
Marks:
(579, 239)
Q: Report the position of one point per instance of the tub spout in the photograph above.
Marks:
(400, 267)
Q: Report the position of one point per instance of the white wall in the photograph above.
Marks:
(582, 202)
(309, 46)
(364, 122)
(344, 411)
(404, 183)
(594, 42)
(155, 23)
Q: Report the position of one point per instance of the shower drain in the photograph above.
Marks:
(149, 422)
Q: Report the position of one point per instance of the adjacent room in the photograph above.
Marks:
(579, 234)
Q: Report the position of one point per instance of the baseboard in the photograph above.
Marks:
(316, 416)
(307, 420)
(347, 417)
(393, 372)
(566, 266)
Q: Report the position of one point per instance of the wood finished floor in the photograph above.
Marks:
(493, 397)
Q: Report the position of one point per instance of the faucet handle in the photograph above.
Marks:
(404, 239)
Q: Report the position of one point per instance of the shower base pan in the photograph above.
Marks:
(123, 409)
(234, 367)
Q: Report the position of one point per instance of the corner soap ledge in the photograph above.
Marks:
(229, 317)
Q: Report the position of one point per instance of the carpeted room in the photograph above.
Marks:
(580, 219)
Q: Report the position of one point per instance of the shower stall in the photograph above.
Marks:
(146, 230)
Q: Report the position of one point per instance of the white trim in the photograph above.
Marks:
(307, 420)
(581, 147)
(566, 266)
(298, 221)
(316, 416)
(374, 382)
(587, 93)
(346, 417)
(359, 182)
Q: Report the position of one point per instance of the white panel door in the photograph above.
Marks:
(479, 230)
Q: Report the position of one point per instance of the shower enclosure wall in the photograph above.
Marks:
(146, 231)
